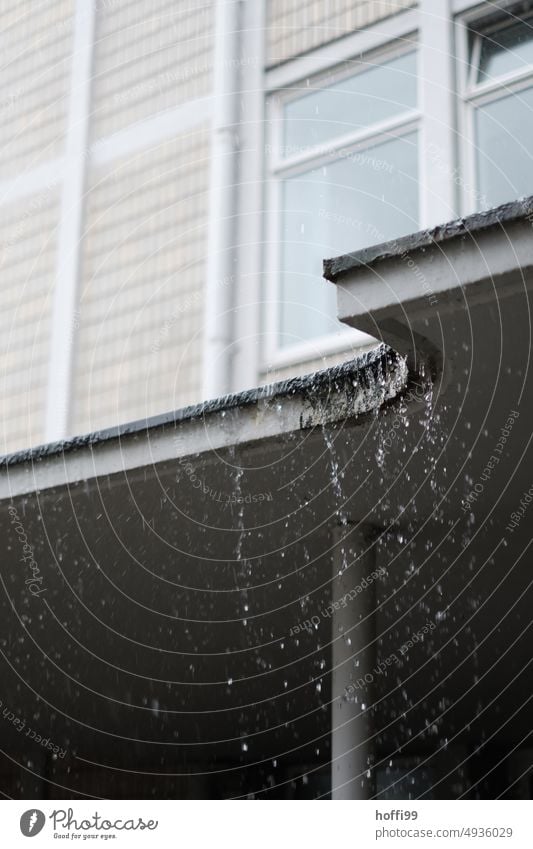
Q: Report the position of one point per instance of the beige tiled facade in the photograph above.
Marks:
(149, 57)
(36, 48)
(297, 26)
(136, 334)
(141, 298)
(27, 260)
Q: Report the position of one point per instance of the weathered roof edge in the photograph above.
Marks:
(335, 267)
(315, 383)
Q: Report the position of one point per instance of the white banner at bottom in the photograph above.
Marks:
(221, 824)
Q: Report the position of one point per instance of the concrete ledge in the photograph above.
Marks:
(404, 292)
(348, 391)
(498, 217)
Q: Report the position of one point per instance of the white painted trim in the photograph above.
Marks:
(42, 178)
(334, 343)
(400, 26)
(436, 79)
(506, 84)
(278, 168)
(249, 284)
(272, 280)
(348, 143)
(273, 354)
(152, 131)
(471, 66)
(481, 8)
(130, 140)
(330, 76)
(461, 6)
(472, 95)
(466, 154)
(70, 227)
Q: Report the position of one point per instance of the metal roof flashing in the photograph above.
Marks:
(347, 391)
(407, 292)
(478, 222)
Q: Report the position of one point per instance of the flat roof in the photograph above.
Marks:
(478, 222)
(347, 391)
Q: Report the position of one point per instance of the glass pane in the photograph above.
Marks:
(362, 199)
(350, 104)
(509, 49)
(504, 133)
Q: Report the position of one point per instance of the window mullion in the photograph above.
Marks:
(349, 143)
(500, 87)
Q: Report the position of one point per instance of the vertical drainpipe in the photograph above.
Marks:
(437, 94)
(220, 271)
(247, 325)
(65, 298)
(353, 631)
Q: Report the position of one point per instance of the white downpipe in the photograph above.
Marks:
(65, 299)
(351, 731)
(220, 248)
(436, 86)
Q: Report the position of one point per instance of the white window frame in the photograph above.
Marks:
(473, 94)
(279, 168)
(433, 23)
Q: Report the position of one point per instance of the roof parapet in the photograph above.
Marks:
(406, 291)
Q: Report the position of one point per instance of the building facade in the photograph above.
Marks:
(316, 589)
(173, 173)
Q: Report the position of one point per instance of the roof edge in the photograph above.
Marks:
(314, 383)
(336, 267)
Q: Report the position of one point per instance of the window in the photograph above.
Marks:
(344, 175)
(499, 99)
